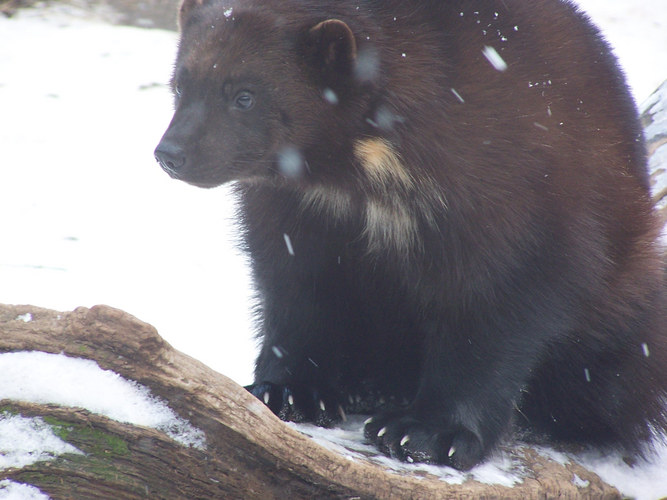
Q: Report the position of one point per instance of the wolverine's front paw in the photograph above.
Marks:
(406, 437)
(299, 403)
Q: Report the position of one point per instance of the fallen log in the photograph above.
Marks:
(249, 453)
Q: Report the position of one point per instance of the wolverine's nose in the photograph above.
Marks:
(170, 157)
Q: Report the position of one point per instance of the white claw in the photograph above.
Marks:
(290, 400)
(368, 421)
(452, 450)
(409, 459)
(405, 440)
(266, 398)
(341, 412)
(322, 407)
(382, 432)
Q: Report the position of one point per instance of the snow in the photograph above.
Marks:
(26, 318)
(39, 377)
(643, 481)
(494, 58)
(9, 490)
(291, 162)
(458, 96)
(25, 441)
(288, 244)
(330, 96)
(92, 218)
(580, 483)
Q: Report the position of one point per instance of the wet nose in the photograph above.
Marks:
(170, 157)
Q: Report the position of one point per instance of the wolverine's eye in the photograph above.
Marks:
(244, 100)
(177, 90)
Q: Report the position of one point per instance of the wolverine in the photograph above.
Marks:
(447, 212)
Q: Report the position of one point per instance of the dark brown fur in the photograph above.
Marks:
(434, 236)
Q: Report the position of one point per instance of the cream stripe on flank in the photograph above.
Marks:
(390, 218)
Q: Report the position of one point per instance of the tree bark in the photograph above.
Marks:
(654, 121)
(249, 452)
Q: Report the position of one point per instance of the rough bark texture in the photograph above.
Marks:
(249, 453)
(654, 120)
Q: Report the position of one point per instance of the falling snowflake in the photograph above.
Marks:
(494, 58)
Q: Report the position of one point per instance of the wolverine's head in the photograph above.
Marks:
(254, 92)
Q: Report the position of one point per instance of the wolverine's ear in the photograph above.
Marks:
(187, 7)
(331, 46)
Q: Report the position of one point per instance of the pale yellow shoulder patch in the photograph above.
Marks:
(382, 164)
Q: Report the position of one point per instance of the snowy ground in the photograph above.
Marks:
(88, 217)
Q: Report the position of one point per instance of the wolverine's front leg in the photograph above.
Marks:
(474, 367)
(304, 317)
